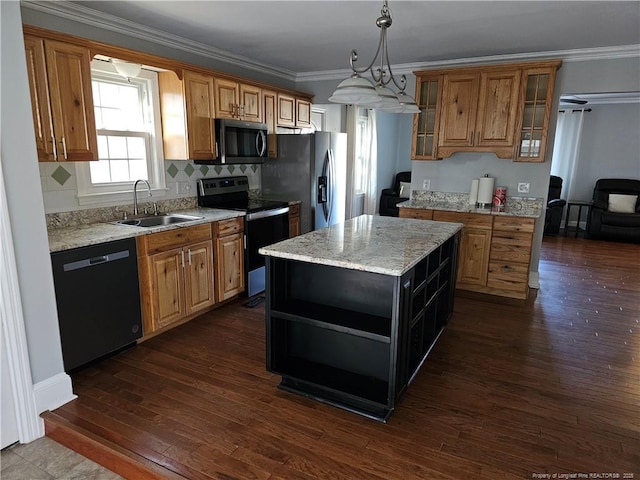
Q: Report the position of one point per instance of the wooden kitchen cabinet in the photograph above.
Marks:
(536, 97)
(303, 113)
(293, 111)
(475, 244)
(502, 109)
(286, 110)
(176, 275)
(269, 99)
(418, 213)
(479, 112)
(495, 250)
(237, 100)
(59, 76)
(294, 220)
(229, 257)
(511, 246)
(188, 112)
(426, 123)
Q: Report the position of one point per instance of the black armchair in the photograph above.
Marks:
(555, 207)
(390, 197)
(605, 221)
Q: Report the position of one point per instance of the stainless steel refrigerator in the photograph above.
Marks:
(311, 168)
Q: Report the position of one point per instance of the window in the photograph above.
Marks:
(362, 151)
(129, 140)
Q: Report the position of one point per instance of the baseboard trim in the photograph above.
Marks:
(534, 280)
(53, 392)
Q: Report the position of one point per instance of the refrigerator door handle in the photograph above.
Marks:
(331, 184)
(323, 187)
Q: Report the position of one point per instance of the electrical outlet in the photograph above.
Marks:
(523, 187)
(426, 184)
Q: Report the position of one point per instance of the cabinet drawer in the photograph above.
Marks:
(228, 227)
(418, 213)
(158, 242)
(514, 224)
(511, 247)
(507, 276)
(475, 220)
(294, 210)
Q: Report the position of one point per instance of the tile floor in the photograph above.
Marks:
(45, 459)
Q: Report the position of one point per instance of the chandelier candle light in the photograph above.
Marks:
(358, 90)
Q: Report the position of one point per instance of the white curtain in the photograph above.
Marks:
(362, 166)
(566, 149)
(370, 155)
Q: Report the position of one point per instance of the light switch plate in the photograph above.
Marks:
(523, 187)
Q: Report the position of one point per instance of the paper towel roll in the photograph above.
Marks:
(473, 194)
(485, 191)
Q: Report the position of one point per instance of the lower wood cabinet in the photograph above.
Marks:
(475, 244)
(495, 250)
(176, 275)
(229, 257)
(511, 246)
(294, 221)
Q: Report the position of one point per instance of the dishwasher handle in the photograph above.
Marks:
(93, 261)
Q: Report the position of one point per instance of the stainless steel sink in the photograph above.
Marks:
(158, 220)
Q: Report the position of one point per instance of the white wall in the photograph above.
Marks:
(24, 198)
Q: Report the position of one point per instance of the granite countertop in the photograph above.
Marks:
(386, 245)
(514, 206)
(65, 238)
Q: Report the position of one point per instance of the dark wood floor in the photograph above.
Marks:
(509, 391)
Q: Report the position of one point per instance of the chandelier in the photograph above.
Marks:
(358, 90)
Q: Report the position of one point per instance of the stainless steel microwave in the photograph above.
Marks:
(239, 142)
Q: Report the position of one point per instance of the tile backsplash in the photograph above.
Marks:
(60, 187)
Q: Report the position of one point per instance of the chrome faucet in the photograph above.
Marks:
(135, 194)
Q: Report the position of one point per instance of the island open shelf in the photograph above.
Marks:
(355, 337)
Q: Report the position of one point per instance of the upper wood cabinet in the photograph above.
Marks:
(286, 110)
(293, 111)
(270, 98)
(536, 96)
(303, 113)
(426, 123)
(503, 109)
(479, 112)
(59, 77)
(187, 108)
(238, 100)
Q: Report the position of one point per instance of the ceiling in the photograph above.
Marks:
(298, 37)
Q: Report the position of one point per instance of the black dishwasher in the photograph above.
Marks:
(98, 300)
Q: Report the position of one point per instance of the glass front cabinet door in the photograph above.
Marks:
(537, 96)
(425, 123)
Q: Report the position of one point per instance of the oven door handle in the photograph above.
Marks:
(266, 213)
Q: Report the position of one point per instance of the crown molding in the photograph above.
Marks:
(88, 16)
(576, 55)
(601, 99)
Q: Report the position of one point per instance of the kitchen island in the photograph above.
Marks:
(353, 310)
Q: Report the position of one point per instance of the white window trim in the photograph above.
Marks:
(89, 194)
